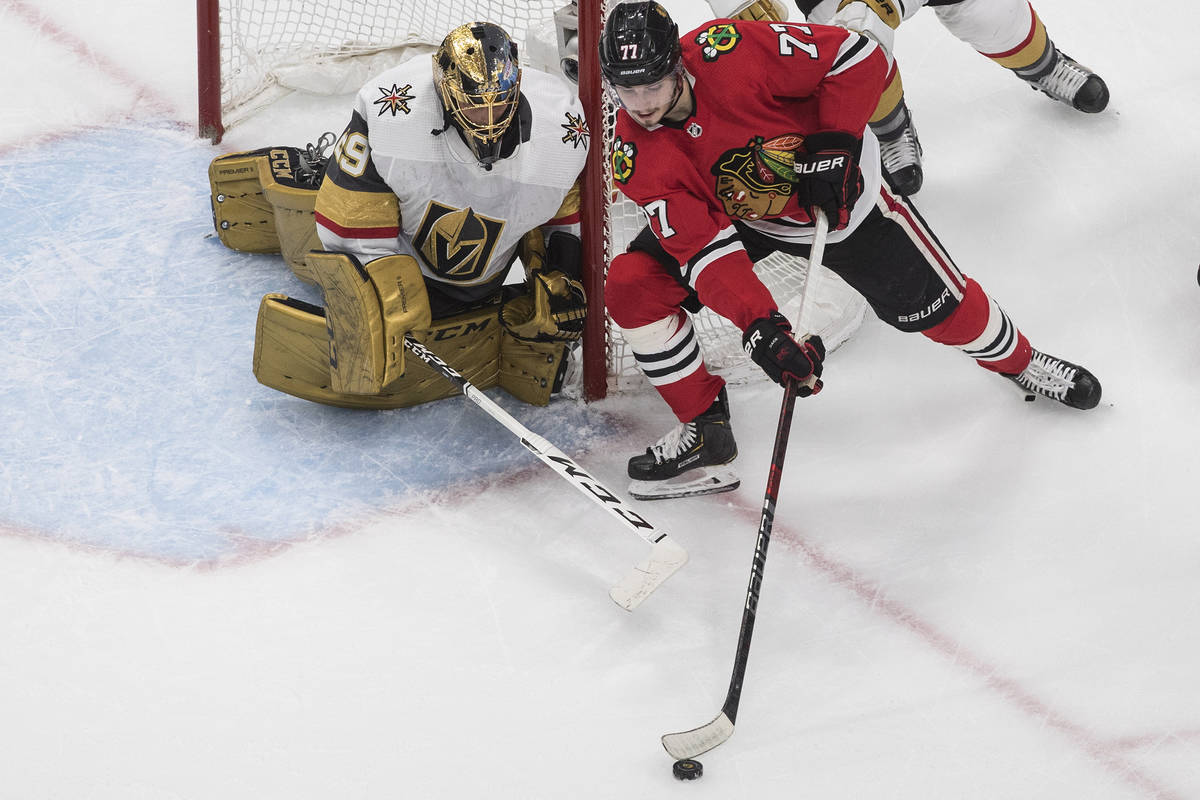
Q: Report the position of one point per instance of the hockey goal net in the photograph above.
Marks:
(252, 51)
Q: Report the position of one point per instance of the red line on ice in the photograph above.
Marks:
(1108, 753)
(48, 28)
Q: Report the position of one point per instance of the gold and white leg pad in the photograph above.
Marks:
(295, 223)
(243, 218)
(368, 310)
(291, 355)
(262, 204)
(530, 371)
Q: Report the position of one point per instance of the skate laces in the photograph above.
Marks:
(676, 441)
(1065, 80)
(902, 151)
(1048, 376)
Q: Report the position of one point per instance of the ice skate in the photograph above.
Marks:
(901, 156)
(1069, 384)
(691, 459)
(1074, 84)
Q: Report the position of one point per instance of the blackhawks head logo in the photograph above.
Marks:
(717, 40)
(757, 180)
(622, 157)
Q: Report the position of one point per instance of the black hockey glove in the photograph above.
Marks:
(829, 178)
(769, 343)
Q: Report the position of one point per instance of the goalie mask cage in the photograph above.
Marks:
(252, 51)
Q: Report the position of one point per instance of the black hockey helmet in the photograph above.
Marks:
(640, 44)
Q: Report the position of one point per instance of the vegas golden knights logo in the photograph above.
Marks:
(457, 244)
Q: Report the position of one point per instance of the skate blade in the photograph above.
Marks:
(690, 484)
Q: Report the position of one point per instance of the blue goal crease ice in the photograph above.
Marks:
(132, 419)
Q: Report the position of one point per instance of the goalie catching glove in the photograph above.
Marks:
(769, 343)
(554, 305)
(552, 310)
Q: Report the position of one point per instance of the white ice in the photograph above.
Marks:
(212, 590)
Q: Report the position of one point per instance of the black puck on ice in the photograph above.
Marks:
(687, 769)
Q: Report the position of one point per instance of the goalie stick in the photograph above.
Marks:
(689, 744)
(666, 556)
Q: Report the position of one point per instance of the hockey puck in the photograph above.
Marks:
(1029, 398)
(687, 769)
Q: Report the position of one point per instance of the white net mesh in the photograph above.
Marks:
(263, 41)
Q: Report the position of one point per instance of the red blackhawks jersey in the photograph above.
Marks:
(760, 88)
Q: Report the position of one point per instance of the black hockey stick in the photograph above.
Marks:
(689, 744)
(666, 556)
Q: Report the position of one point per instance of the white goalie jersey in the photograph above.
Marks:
(402, 180)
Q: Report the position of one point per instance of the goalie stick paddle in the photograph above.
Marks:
(689, 744)
(666, 556)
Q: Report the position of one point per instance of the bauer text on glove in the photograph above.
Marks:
(829, 178)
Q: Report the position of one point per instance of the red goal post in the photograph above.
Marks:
(595, 199)
(208, 69)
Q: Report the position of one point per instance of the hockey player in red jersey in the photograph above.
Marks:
(728, 139)
(1009, 32)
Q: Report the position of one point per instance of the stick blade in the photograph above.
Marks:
(689, 744)
(665, 559)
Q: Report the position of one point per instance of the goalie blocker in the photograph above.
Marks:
(351, 352)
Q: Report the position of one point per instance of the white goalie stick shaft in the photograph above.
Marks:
(689, 744)
(666, 556)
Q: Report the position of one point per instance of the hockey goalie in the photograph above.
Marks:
(449, 170)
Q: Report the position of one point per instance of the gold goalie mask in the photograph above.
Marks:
(479, 83)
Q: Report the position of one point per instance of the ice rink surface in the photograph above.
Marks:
(212, 590)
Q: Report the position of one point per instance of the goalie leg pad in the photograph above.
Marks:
(368, 311)
(354, 320)
(244, 219)
(404, 302)
(295, 224)
(263, 200)
(528, 370)
(291, 355)
(291, 348)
